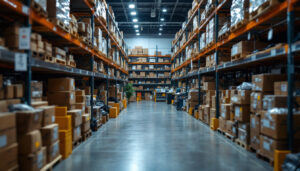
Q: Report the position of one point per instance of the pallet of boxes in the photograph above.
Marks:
(192, 102)
(209, 110)
(61, 92)
(269, 107)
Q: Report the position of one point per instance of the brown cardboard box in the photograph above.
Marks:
(28, 121)
(49, 134)
(209, 86)
(80, 99)
(76, 117)
(80, 93)
(225, 111)
(87, 90)
(85, 118)
(52, 151)
(33, 161)
(76, 134)
(229, 125)
(242, 113)
(13, 101)
(30, 142)
(80, 106)
(213, 101)
(243, 97)
(265, 82)
(145, 51)
(201, 114)
(281, 88)
(9, 92)
(61, 84)
(61, 98)
(222, 124)
(254, 131)
(268, 146)
(272, 101)
(9, 157)
(48, 115)
(256, 101)
(209, 95)
(3, 106)
(36, 89)
(18, 91)
(274, 124)
(85, 126)
(243, 135)
(7, 129)
(212, 113)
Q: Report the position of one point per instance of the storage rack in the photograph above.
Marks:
(156, 71)
(42, 25)
(284, 54)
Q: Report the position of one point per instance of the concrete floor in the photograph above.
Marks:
(150, 136)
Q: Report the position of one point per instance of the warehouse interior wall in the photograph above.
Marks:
(163, 44)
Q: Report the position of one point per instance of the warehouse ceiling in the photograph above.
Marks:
(156, 18)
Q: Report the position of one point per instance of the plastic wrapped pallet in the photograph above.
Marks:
(195, 23)
(202, 40)
(59, 9)
(238, 11)
(42, 3)
(255, 4)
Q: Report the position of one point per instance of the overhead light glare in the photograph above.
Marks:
(164, 10)
(136, 26)
(135, 20)
(137, 30)
(160, 29)
(162, 19)
(138, 34)
(161, 25)
(131, 6)
(159, 34)
(133, 13)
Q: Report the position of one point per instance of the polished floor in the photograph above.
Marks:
(150, 136)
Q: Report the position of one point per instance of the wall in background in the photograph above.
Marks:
(163, 44)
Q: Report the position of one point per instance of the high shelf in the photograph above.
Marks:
(194, 59)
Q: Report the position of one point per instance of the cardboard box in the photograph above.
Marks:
(274, 124)
(80, 106)
(7, 129)
(85, 127)
(80, 92)
(76, 134)
(48, 116)
(9, 156)
(242, 113)
(64, 122)
(80, 99)
(76, 117)
(225, 111)
(209, 86)
(274, 101)
(222, 124)
(36, 89)
(256, 101)
(13, 101)
(242, 97)
(61, 84)
(52, 151)
(208, 97)
(61, 111)
(229, 125)
(34, 161)
(265, 82)
(30, 142)
(254, 131)
(61, 98)
(49, 134)
(9, 92)
(28, 121)
(268, 145)
(3, 106)
(18, 91)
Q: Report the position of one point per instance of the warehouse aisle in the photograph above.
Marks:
(150, 136)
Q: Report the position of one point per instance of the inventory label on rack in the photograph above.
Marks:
(20, 62)
(24, 38)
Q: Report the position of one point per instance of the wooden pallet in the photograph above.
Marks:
(77, 143)
(86, 41)
(238, 25)
(36, 54)
(38, 8)
(252, 149)
(60, 24)
(242, 144)
(223, 36)
(86, 135)
(263, 8)
(264, 157)
(236, 57)
(71, 63)
(53, 163)
(210, 10)
(48, 58)
(60, 61)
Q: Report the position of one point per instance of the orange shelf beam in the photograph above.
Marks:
(160, 56)
(149, 63)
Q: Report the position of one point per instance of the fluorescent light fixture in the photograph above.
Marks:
(160, 29)
(136, 26)
(164, 10)
(138, 34)
(159, 34)
(133, 13)
(131, 6)
(137, 30)
(161, 25)
(162, 19)
(135, 20)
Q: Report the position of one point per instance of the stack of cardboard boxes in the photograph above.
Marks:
(81, 105)
(139, 50)
(9, 93)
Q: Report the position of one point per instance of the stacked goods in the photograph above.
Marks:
(48, 51)
(64, 122)
(85, 126)
(70, 61)
(9, 93)
(9, 147)
(36, 91)
(209, 7)
(139, 50)
(244, 48)
(76, 117)
(238, 13)
(100, 10)
(61, 92)
(37, 45)
(73, 26)
(60, 55)
(85, 31)
(39, 6)
(50, 138)
(11, 36)
(59, 13)
(254, 7)
(192, 101)
(32, 156)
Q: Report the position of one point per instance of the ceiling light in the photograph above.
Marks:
(137, 30)
(162, 19)
(138, 34)
(133, 13)
(135, 20)
(160, 29)
(131, 6)
(159, 34)
(164, 10)
(161, 25)
(136, 26)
